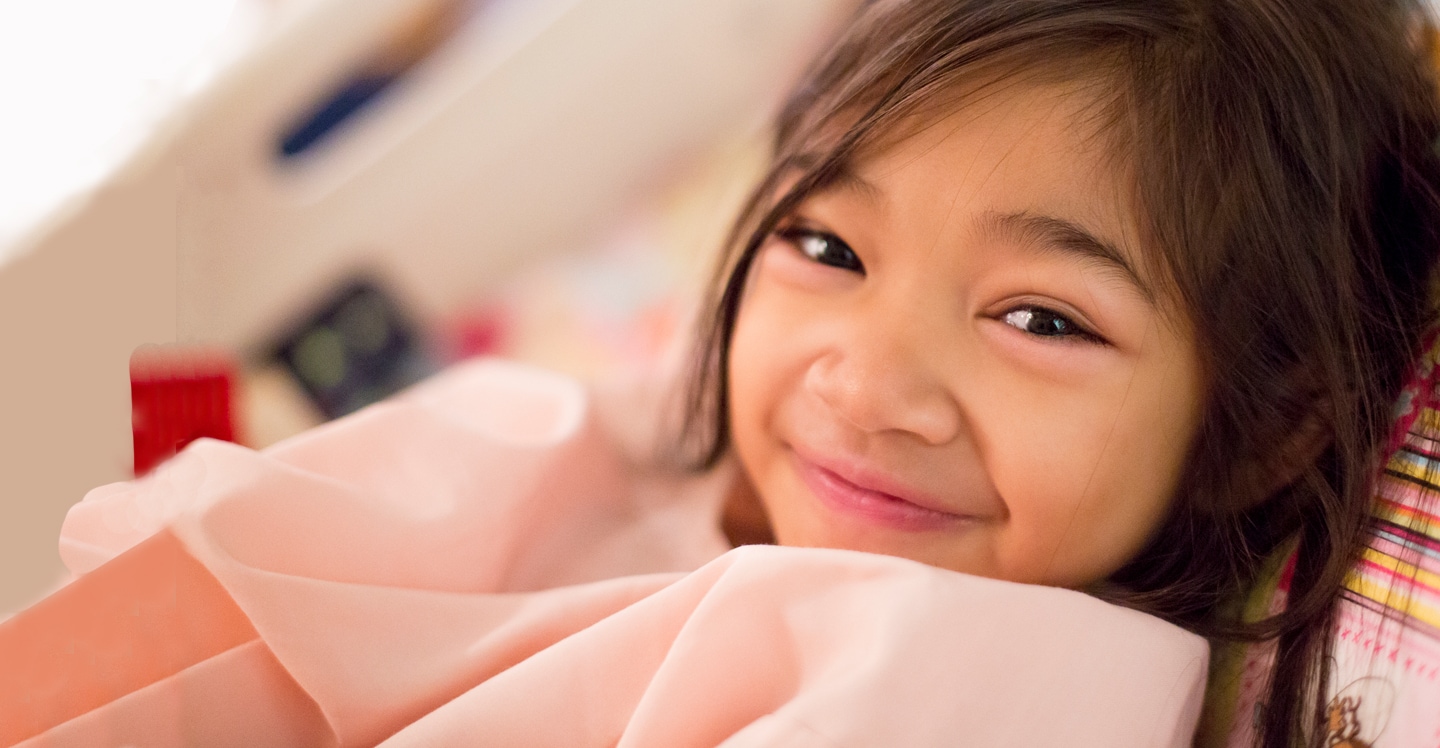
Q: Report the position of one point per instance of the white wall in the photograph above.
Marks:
(523, 138)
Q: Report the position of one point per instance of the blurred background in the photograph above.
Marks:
(241, 218)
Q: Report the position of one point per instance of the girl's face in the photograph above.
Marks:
(953, 355)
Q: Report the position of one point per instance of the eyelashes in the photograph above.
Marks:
(825, 248)
(1048, 323)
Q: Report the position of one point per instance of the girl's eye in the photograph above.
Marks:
(826, 249)
(1046, 323)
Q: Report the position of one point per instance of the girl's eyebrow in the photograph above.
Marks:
(1049, 234)
(1044, 233)
(842, 177)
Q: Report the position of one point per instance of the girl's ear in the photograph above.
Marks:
(1284, 466)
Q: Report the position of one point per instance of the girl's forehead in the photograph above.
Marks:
(1007, 159)
(1088, 103)
(1009, 146)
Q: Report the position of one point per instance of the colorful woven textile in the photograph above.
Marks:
(1384, 688)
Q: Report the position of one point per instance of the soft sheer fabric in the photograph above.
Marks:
(489, 560)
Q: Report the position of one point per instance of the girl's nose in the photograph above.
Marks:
(878, 379)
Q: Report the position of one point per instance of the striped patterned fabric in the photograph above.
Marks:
(1385, 676)
(1385, 689)
(1400, 571)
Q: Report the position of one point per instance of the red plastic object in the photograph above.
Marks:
(483, 331)
(178, 395)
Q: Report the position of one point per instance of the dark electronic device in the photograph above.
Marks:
(356, 349)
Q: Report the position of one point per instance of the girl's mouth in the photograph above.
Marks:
(847, 496)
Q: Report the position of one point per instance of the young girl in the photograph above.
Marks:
(1107, 295)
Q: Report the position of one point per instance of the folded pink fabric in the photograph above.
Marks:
(480, 562)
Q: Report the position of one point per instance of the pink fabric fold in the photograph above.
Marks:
(775, 646)
(480, 561)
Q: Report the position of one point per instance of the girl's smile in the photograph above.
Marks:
(871, 496)
(951, 354)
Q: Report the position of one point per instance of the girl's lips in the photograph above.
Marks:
(844, 496)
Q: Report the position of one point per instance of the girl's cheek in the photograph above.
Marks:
(790, 306)
(759, 356)
(1050, 362)
(1088, 475)
(1043, 468)
(1043, 438)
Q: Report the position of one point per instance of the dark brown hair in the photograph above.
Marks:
(1281, 157)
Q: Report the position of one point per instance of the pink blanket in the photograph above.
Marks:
(479, 563)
